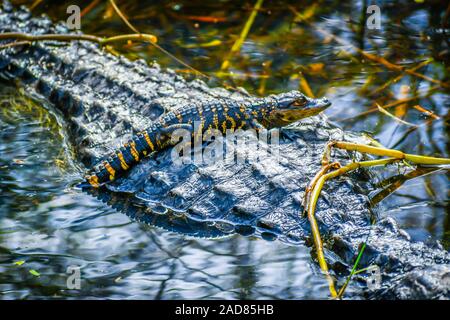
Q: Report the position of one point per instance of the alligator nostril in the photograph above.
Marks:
(326, 102)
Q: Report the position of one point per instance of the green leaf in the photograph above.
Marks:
(19, 263)
(35, 273)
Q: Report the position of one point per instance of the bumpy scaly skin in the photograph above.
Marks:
(101, 99)
(221, 115)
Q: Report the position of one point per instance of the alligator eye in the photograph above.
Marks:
(300, 102)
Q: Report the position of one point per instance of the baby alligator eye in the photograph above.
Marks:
(299, 102)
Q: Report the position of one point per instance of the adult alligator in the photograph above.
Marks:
(103, 99)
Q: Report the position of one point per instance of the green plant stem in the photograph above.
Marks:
(77, 37)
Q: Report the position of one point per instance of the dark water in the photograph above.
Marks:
(49, 226)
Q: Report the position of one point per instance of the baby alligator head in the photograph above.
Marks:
(291, 106)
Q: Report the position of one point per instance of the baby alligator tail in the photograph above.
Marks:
(122, 160)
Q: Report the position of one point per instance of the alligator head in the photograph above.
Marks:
(290, 107)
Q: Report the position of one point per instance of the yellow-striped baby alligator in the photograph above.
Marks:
(273, 111)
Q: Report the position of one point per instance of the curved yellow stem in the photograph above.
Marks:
(314, 188)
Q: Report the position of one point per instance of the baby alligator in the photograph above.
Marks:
(270, 112)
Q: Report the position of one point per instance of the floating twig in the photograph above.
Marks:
(426, 112)
(399, 77)
(207, 19)
(73, 37)
(393, 104)
(384, 111)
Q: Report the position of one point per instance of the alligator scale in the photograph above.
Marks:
(103, 100)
